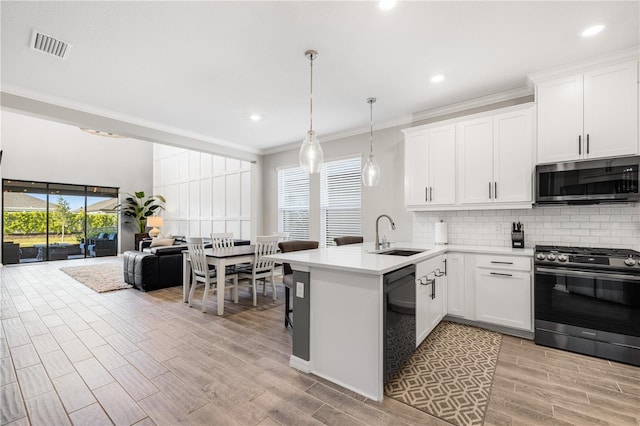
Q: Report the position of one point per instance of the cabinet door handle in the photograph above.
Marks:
(430, 193)
(501, 262)
(433, 289)
(579, 144)
(499, 274)
(445, 267)
(426, 194)
(495, 190)
(489, 190)
(587, 143)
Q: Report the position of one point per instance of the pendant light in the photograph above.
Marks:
(311, 156)
(371, 169)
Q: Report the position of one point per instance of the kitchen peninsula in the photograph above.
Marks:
(339, 306)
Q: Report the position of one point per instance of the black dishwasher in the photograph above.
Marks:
(399, 318)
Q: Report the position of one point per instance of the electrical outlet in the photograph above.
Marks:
(300, 290)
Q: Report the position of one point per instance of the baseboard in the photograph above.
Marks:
(300, 364)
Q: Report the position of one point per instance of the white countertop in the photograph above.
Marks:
(359, 257)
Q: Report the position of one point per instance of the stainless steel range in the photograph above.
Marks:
(587, 300)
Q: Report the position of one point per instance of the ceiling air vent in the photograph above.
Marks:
(47, 44)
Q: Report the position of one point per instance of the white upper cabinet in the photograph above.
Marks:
(495, 159)
(589, 115)
(513, 157)
(416, 181)
(430, 167)
(475, 147)
(442, 165)
(484, 162)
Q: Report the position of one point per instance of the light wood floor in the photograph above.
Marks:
(69, 355)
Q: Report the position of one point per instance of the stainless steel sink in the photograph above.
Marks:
(400, 252)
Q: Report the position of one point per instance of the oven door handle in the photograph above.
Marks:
(581, 274)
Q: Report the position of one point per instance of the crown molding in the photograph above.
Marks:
(630, 54)
(400, 121)
(506, 95)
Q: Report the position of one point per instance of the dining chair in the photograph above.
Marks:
(261, 268)
(287, 277)
(343, 241)
(284, 236)
(201, 273)
(222, 240)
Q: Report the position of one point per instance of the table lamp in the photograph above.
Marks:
(154, 222)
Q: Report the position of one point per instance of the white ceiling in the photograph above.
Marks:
(202, 68)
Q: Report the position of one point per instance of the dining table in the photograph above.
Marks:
(220, 258)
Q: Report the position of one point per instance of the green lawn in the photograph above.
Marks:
(30, 240)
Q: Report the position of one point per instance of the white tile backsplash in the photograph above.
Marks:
(616, 226)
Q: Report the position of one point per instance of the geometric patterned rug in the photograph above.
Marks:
(450, 374)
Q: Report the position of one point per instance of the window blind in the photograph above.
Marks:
(293, 203)
(340, 199)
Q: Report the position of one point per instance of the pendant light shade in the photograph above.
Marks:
(371, 169)
(311, 156)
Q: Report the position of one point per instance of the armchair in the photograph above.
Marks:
(106, 246)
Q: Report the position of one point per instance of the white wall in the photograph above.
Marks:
(42, 150)
(615, 226)
(205, 193)
(386, 198)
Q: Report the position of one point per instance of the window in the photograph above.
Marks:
(340, 199)
(293, 203)
(45, 221)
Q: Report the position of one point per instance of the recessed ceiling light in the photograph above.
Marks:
(387, 4)
(438, 78)
(592, 30)
(255, 117)
(101, 133)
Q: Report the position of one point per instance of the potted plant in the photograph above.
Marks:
(138, 207)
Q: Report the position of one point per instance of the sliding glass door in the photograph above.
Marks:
(50, 221)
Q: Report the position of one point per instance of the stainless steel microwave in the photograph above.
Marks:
(604, 180)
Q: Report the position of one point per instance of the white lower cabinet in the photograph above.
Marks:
(456, 294)
(503, 291)
(431, 296)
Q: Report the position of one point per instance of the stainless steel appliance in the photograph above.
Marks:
(588, 182)
(587, 300)
(399, 318)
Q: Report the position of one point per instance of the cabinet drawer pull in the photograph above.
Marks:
(579, 144)
(502, 275)
(502, 263)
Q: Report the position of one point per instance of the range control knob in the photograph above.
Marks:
(551, 256)
(562, 258)
(629, 261)
(540, 256)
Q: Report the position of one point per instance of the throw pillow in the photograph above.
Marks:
(158, 242)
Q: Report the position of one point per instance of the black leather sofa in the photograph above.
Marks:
(154, 268)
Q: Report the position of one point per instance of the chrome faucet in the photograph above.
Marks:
(393, 226)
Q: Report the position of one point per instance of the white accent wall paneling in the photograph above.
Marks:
(205, 193)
